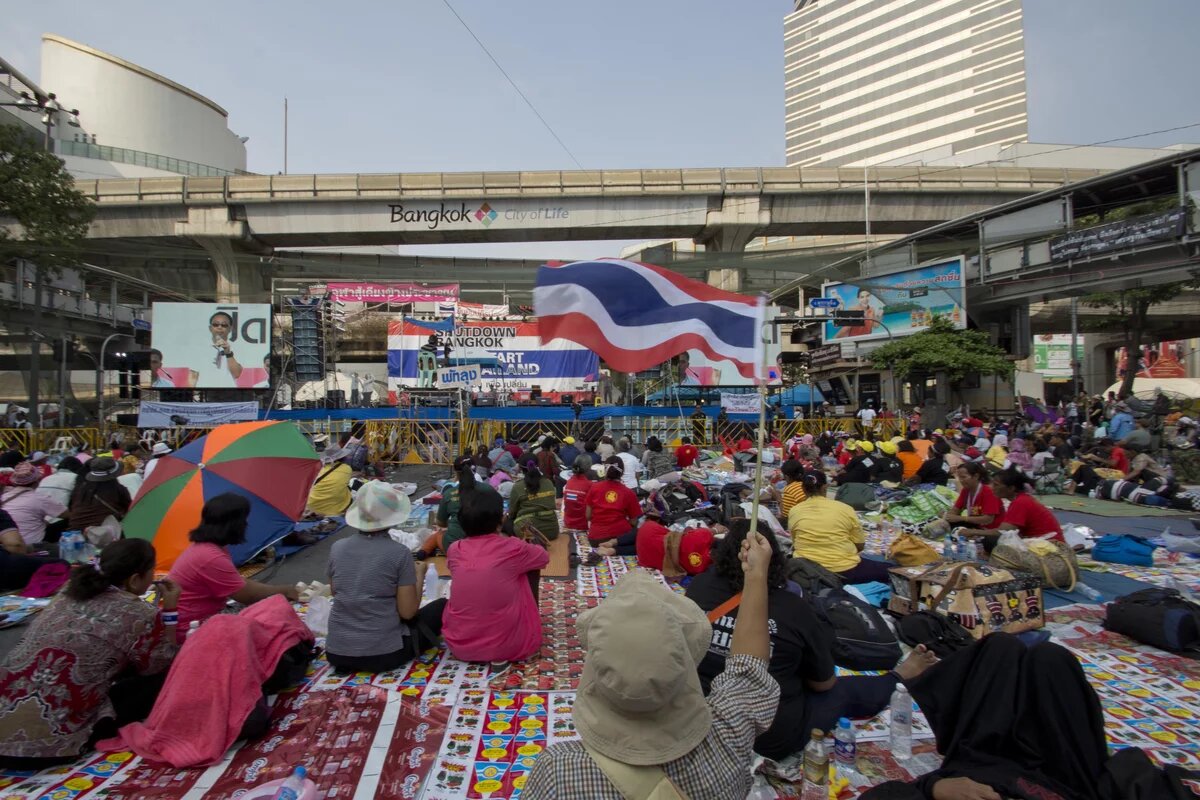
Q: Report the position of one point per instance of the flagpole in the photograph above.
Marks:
(762, 422)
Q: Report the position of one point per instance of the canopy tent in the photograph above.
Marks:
(796, 396)
(1175, 388)
(317, 390)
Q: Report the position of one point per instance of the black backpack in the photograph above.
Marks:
(862, 638)
(811, 576)
(940, 634)
(1161, 618)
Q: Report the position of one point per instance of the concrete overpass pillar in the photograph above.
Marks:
(213, 229)
(728, 228)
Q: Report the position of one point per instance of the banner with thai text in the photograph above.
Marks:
(194, 415)
(746, 403)
(392, 292)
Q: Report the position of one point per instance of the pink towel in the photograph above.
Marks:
(213, 685)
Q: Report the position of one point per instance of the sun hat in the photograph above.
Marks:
(896, 439)
(160, 449)
(38, 456)
(865, 446)
(104, 469)
(639, 699)
(568, 440)
(888, 448)
(25, 474)
(378, 506)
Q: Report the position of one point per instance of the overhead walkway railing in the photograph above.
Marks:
(715, 181)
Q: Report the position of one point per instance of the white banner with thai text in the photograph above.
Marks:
(746, 403)
(194, 415)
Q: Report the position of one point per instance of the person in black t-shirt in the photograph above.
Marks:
(861, 468)
(810, 696)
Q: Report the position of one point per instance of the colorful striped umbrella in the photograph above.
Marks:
(271, 464)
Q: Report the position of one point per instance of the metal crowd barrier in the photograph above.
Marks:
(441, 441)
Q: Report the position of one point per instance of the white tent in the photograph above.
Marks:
(315, 390)
(1175, 388)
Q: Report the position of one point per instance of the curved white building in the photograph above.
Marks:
(138, 121)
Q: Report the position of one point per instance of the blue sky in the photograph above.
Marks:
(401, 86)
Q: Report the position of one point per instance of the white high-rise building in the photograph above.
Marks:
(869, 81)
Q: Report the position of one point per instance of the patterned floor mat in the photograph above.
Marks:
(598, 580)
(1151, 699)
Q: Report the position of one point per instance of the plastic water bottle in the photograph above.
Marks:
(293, 786)
(845, 749)
(69, 546)
(901, 723)
(193, 626)
(965, 551)
(950, 547)
(431, 588)
(1087, 591)
(816, 768)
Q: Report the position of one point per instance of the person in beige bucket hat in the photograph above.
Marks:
(646, 730)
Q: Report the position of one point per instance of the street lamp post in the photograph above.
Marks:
(100, 380)
(50, 108)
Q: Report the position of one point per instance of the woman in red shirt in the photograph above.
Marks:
(575, 493)
(976, 506)
(612, 511)
(1025, 515)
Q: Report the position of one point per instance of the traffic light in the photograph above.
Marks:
(803, 359)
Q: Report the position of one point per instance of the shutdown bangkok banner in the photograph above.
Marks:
(509, 355)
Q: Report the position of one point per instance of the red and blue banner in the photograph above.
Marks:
(510, 354)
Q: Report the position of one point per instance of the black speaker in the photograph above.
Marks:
(335, 398)
(566, 399)
(127, 420)
(535, 393)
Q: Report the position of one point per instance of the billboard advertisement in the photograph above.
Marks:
(509, 356)
(210, 346)
(904, 302)
(1052, 354)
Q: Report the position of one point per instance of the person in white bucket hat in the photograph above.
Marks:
(645, 727)
(159, 450)
(377, 622)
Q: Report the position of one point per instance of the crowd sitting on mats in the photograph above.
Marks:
(680, 690)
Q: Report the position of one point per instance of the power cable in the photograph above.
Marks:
(508, 77)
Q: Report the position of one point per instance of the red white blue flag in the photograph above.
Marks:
(636, 316)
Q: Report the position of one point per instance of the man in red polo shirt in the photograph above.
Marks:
(686, 454)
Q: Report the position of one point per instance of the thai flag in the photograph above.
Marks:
(636, 316)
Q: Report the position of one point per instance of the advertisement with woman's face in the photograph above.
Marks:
(211, 345)
(899, 303)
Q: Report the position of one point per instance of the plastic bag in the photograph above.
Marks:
(410, 539)
(1009, 539)
(1181, 544)
(316, 617)
(103, 534)
(765, 515)
(1078, 536)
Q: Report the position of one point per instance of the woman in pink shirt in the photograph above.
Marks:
(205, 573)
(491, 614)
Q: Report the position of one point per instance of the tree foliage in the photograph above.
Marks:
(1129, 310)
(38, 193)
(943, 348)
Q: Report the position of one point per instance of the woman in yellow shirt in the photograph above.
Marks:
(828, 532)
(793, 492)
(330, 492)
